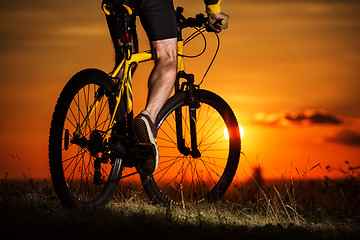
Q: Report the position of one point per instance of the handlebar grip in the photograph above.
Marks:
(221, 22)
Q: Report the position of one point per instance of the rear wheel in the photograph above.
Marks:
(185, 177)
(82, 174)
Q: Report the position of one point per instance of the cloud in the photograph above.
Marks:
(345, 130)
(314, 117)
(345, 137)
(298, 118)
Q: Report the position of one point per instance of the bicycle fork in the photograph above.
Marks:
(193, 103)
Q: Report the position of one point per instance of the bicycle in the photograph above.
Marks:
(91, 140)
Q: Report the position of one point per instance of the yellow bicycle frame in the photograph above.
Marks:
(126, 81)
(126, 85)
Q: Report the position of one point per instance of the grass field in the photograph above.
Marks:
(253, 209)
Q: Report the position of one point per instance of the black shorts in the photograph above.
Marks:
(157, 17)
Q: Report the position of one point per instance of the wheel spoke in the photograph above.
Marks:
(78, 157)
(192, 178)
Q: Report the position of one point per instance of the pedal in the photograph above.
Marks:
(144, 151)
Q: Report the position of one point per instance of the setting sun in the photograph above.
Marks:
(241, 130)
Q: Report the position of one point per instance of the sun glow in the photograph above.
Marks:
(241, 130)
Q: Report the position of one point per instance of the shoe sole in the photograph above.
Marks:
(144, 135)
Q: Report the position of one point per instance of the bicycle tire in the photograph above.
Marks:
(71, 166)
(184, 179)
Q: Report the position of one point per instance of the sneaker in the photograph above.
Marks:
(145, 132)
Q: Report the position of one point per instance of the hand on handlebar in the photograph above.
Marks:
(218, 21)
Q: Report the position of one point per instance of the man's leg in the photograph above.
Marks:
(160, 84)
(163, 75)
(159, 21)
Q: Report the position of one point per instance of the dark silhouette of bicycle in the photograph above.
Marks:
(91, 140)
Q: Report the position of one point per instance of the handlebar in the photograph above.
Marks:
(199, 21)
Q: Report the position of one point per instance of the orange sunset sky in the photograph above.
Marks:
(290, 70)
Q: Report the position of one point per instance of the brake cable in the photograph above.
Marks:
(194, 35)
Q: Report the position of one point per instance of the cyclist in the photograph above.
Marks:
(158, 19)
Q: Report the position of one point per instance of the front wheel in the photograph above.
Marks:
(187, 178)
(82, 175)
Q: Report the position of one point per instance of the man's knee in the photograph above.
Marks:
(169, 61)
(165, 51)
